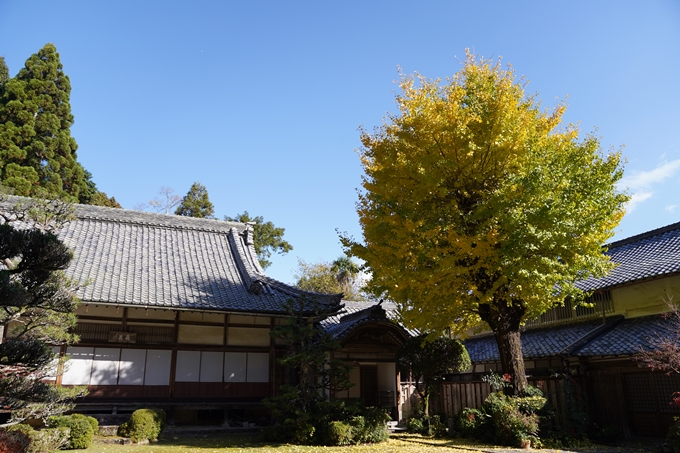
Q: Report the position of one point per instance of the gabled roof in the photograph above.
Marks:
(145, 259)
(355, 314)
(652, 254)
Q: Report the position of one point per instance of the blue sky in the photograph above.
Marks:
(261, 101)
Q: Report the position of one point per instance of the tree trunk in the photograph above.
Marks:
(504, 319)
(512, 361)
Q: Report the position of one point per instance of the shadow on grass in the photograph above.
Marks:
(214, 440)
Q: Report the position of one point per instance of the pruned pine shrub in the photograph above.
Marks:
(143, 424)
(24, 439)
(81, 435)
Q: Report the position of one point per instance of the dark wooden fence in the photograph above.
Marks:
(453, 397)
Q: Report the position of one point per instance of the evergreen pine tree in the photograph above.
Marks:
(196, 203)
(37, 307)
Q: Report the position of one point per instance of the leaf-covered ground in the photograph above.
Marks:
(213, 443)
(251, 443)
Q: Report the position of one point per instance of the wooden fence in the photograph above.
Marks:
(453, 397)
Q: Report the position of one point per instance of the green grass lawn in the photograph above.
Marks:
(233, 443)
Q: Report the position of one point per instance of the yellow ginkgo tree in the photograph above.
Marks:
(480, 209)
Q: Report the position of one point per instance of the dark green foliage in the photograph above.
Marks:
(4, 74)
(94, 424)
(39, 302)
(505, 420)
(302, 412)
(267, 237)
(472, 423)
(415, 425)
(196, 203)
(143, 424)
(373, 429)
(82, 431)
(431, 361)
(673, 437)
(37, 153)
(340, 433)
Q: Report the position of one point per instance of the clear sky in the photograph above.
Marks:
(261, 101)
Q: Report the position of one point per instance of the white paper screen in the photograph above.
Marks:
(78, 367)
(258, 367)
(211, 366)
(188, 366)
(157, 367)
(105, 366)
(132, 364)
(235, 366)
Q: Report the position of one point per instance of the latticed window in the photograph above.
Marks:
(144, 334)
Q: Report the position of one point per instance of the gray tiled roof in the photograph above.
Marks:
(629, 336)
(536, 343)
(618, 337)
(355, 314)
(647, 255)
(156, 260)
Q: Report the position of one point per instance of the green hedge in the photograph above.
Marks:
(143, 424)
(82, 429)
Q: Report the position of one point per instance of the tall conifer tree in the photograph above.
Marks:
(4, 74)
(37, 151)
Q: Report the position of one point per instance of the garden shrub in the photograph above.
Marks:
(437, 427)
(340, 433)
(143, 424)
(81, 435)
(374, 428)
(24, 439)
(91, 420)
(472, 423)
(673, 437)
(49, 439)
(503, 419)
(415, 425)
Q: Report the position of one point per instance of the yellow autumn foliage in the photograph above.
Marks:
(474, 194)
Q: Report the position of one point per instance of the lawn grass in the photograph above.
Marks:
(251, 443)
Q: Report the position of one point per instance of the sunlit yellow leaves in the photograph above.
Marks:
(474, 192)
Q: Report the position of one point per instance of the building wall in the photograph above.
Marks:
(646, 298)
(134, 353)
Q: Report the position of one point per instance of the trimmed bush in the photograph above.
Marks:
(91, 420)
(81, 435)
(340, 433)
(143, 424)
